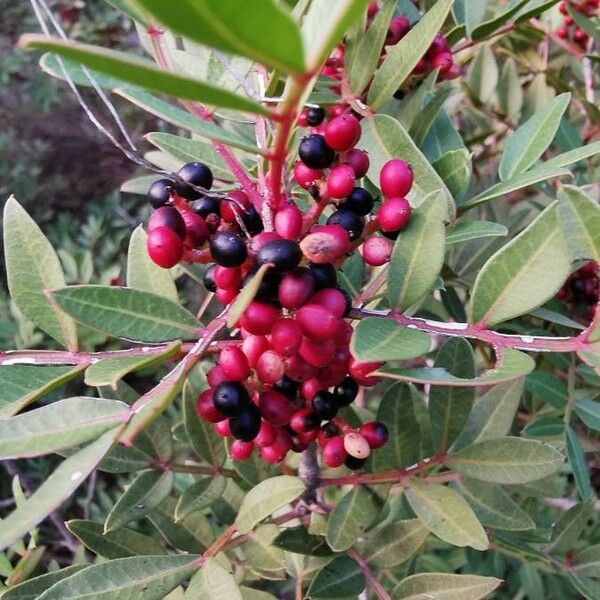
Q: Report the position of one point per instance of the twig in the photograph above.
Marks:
(91, 488)
(372, 581)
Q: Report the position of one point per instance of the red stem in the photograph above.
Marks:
(370, 578)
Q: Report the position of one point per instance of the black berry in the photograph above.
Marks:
(349, 220)
(231, 398)
(284, 255)
(252, 221)
(315, 116)
(324, 405)
(160, 192)
(197, 174)
(345, 392)
(246, 425)
(324, 275)
(228, 249)
(360, 201)
(207, 205)
(315, 153)
(209, 278)
(354, 463)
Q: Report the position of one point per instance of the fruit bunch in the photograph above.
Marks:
(569, 30)
(279, 383)
(581, 292)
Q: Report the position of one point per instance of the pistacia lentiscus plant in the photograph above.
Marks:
(383, 220)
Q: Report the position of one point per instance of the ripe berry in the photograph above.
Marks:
(167, 216)
(159, 193)
(234, 363)
(377, 251)
(196, 174)
(354, 463)
(246, 425)
(296, 288)
(324, 405)
(315, 153)
(259, 318)
(228, 249)
(286, 336)
(284, 255)
(376, 434)
(442, 61)
(317, 353)
(270, 367)
(208, 205)
(345, 392)
(305, 176)
(288, 222)
(334, 453)
(196, 231)
(359, 201)
(231, 398)
(268, 287)
(340, 181)
(241, 450)
(164, 246)
(396, 178)
(252, 221)
(325, 244)
(343, 132)
(315, 116)
(266, 434)
(324, 275)
(286, 386)
(359, 161)
(275, 408)
(317, 321)
(205, 407)
(350, 221)
(304, 420)
(399, 27)
(394, 214)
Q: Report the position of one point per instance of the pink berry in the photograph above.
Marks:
(288, 222)
(275, 408)
(241, 450)
(396, 178)
(305, 176)
(316, 352)
(356, 445)
(270, 367)
(317, 321)
(296, 288)
(343, 132)
(334, 453)
(359, 161)
(259, 318)
(334, 300)
(222, 428)
(215, 376)
(325, 244)
(340, 181)
(286, 337)
(394, 214)
(266, 435)
(377, 251)
(165, 247)
(234, 363)
(442, 61)
(399, 27)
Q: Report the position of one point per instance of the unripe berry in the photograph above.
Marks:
(205, 407)
(356, 445)
(327, 432)
(234, 363)
(361, 371)
(160, 192)
(562, 32)
(196, 230)
(420, 67)
(304, 420)
(259, 318)
(275, 408)
(277, 451)
(340, 181)
(270, 367)
(283, 255)
(310, 387)
(399, 27)
(315, 153)
(372, 9)
(394, 214)
(231, 398)
(167, 216)
(442, 61)
(298, 369)
(236, 203)
(376, 434)
(246, 425)
(377, 251)
(454, 72)
(222, 428)
(343, 132)
(395, 178)
(228, 249)
(305, 176)
(286, 336)
(317, 321)
(296, 288)
(164, 246)
(325, 244)
(241, 450)
(228, 277)
(266, 435)
(350, 221)
(439, 44)
(359, 161)
(334, 453)
(226, 295)
(324, 405)
(317, 353)
(335, 300)
(288, 222)
(215, 376)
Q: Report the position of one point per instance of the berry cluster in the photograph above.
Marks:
(569, 30)
(581, 292)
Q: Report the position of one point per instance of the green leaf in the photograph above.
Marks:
(449, 407)
(261, 553)
(455, 169)
(572, 156)
(466, 230)
(368, 49)
(300, 541)
(444, 586)
(22, 384)
(446, 514)
(493, 414)
(324, 26)
(246, 296)
(469, 12)
(110, 371)
(525, 146)
(252, 594)
(377, 339)
(264, 499)
(569, 527)
(578, 465)
(350, 518)
(397, 412)
(507, 460)
(510, 91)
(63, 424)
(482, 77)
(213, 582)
(418, 254)
(522, 180)
(589, 412)
(139, 577)
(114, 544)
(352, 273)
(512, 364)
(589, 588)
(32, 267)
(524, 274)
(141, 72)
(590, 26)
(205, 442)
(32, 588)
(126, 313)
(199, 495)
(341, 578)
(547, 387)
(402, 58)
(424, 122)
(145, 275)
(491, 25)
(145, 493)
(384, 138)
(587, 561)
(390, 546)
(579, 219)
(67, 477)
(237, 27)
(493, 506)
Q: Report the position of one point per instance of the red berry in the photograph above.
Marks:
(234, 363)
(580, 36)
(296, 288)
(317, 353)
(333, 299)
(275, 408)
(305, 176)
(394, 214)
(377, 251)
(164, 246)
(205, 407)
(196, 230)
(372, 9)
(228, 277)
(420, 67)
(442, 61)
(399, 27)
(359, 161)
(325, 244)
(241, 450)
(215, 376)
(259, 318)
(317, 322)
(222, 428)
(310, 387)
(270, 367)
(376, 434)
(235, 204)
(343, 132)
(334, 453)
(304, 420)
(167, 216)
(563, 8)
(286, 336)
(340, 181)
(266, 435)
(302, 120)
(288, 222)
(361, 371)
(337, 109)
(453, 72)
(226, 296)
(396, 178)
(298, 369)
(438, 45)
